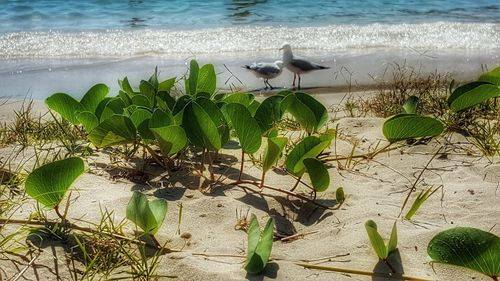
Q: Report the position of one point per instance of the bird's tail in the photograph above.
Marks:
(324, 67)
(246, 66)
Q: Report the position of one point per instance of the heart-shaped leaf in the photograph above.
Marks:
(492, 76)
(149, 216)
(48, 184)
(309, 112)
(273, 152)
(259, 245)
(192, 81)
(171, 139)
(309, 147)
(246, 127)
(65, 105)
(411, 104)
(467, 247)
(200, 129)
(207, 80)
(88, 120)
(268, 113)
(117, 129)
(410, 126)
(90, 101)
(461, 99)
(318, 174)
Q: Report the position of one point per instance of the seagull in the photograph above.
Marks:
(266, 70)
(298, 65)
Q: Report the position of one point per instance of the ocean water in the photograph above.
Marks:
(80, 42)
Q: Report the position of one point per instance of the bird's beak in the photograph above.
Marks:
(280, 49)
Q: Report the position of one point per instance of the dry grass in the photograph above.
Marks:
(432, 90)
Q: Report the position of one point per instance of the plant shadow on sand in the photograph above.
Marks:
(392, 266)
(270, 272)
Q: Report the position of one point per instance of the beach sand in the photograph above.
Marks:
(375, 190)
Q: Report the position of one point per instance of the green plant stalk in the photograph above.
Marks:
(359, 272)
(242, 164)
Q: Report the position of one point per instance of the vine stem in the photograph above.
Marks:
(153, 154)
(87, 230)
(359, 272)
(368, 155)
(239, 183)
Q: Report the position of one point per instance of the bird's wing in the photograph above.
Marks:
(306, 65)
(266, 68)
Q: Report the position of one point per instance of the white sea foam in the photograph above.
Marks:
(475, 37)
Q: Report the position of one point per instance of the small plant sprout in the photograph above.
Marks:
(421, 198)
(49, 183)
(467, 247)
(148, 215)
(381, 249)
(260, 245)
(340, 196)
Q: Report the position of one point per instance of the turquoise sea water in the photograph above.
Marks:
(38, 15)
(90, 41)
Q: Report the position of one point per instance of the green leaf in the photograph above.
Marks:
(309, 112)
(65, 105)
(125, 86)
(492, 76)
(473, 97)
(376, 240)
(161, 118)
(273, 152)
(200, 128)
(393, 240)
(153, 80)
(141, 100)
(140, 118)
(268, 113)
(467, 247)
(421, 198)
(318, 174)
(207, 80)
(411, 104)
(48, 183)
(217, 117)
(309, 147)
(410, 126)
(259, 245)
(166, 85)
(149, 216)
(246, 127)
(117, 129)
(171, 139)
(88, 120)
(114, 106)
(192, 81)
(90, 101)
(149, 91)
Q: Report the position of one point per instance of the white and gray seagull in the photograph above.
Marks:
(298, 65)
(266, 70)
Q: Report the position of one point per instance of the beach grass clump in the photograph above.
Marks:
(404, 81)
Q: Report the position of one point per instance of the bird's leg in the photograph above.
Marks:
(265, 84)
(270, 86)
(299, 80)
(293, 84)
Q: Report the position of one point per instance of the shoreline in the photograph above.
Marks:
(40, 78)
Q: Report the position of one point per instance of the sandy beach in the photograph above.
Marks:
(215, 250)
